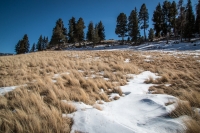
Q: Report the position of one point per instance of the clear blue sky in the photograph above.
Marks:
(38, 17)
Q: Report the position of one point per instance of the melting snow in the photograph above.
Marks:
(136, 112)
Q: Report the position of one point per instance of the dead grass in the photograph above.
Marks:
(97, 106)
(33, 104)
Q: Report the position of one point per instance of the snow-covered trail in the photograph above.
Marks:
(136, 112)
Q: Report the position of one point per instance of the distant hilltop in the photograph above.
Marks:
(5, 54)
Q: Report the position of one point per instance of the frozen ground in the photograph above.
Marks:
(136, 112)
(160, 46)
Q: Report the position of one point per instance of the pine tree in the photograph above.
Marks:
(157, 19)
(133, 26)
(151, 35)
(101, 31)
(33, 48)
(89, 35)
(173, 13)
(72, 30)
(80, 26)
(95, 37)
(197, 22)
(59, 34)
(181, 18)
(17, 47)
(144, 18)
(40, 43)
(23, 45)
(121, 27)
(190, 21)
(47, 42)
(166, 27)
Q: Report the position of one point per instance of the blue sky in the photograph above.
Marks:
(38, 17)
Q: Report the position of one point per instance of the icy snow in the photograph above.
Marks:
(136, 112)
(4, 90)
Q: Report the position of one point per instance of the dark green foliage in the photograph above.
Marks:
(197, 22)
(157, 20)
(17, 47)
(59, 34)
(101, 31)
(23, 45)
(72, 30)
(39, 44)
(144, 18)
(42, 43)
(181, 18)
(133, 26)
(95, 37)
(190, 21)
(172, 16)
(80, 26)
(151, 35)
(166, 27)
(90, 32)
(33, 48)
(121, 27)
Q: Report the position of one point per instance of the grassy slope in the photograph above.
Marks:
(37, 107)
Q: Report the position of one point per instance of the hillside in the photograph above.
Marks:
(100, 91)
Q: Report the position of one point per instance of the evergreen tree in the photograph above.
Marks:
(40, 43)
(173, 13)
(181, 18)
(95, 35)
(197, 22)
(157, 20)
(80, 26)
(33, 48)
(144, 18)
(59, 34)
(166, 27)
(17, 47)
(72, 30)
(133, 27)
(90, 32)
(23, 45)
(121, 27)
(101, 31)
(151, 35)
(190, 20)
(46, 42)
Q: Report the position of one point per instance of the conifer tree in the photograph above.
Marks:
(197, 22)
(40, 43)
(95, 35)
(181, 18)
(89, 35)
(190, 20)
(72, 30)
(166, 17)
(144, 18)
(151, 35)
(173, 13)
(33, 48)
(133, 26)
(17, 47)
(101, 31)
(23, 45)
(59, 34)
(121, 27)
(157, 20)
(80, 26)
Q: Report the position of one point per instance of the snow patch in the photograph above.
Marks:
(135, 112)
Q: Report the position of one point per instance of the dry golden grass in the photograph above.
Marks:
(82, 79)
(38, 106)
